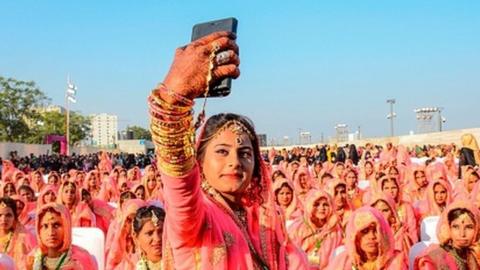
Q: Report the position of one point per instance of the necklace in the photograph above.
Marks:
(459, 261)
(145, 264)
(243, 228)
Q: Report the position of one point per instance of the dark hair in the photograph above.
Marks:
(144, 214)
(282, 186)
(10, 204)
(9, 184)
(389, 179)
(457, 212)
(25, 187)
(126, 195)
(212, 126)
(140, 186)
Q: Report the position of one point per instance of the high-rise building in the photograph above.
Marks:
(104, 129)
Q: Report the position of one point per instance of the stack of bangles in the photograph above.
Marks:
(172, 132)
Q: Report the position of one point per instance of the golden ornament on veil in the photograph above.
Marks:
(3, 205)
(155, 220)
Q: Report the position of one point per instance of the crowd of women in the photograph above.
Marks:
(212, 200)
(319, 203)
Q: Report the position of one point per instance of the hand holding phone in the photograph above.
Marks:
(220, 88)
(190, 68)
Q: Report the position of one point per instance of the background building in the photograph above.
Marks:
(104, 129)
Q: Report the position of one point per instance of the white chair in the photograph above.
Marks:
(428, 229)
(337, 251)
(415, 250)
(6, 262)
(93, 240)
(363, 184)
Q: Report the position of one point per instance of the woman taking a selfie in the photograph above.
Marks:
(220, 211)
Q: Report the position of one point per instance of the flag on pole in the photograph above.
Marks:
(71, 99)
(71, 92)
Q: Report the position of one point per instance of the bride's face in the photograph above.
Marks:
(229, 162)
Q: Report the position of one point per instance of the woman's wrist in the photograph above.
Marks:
(172, 130)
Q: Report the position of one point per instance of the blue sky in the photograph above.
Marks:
(305, 64)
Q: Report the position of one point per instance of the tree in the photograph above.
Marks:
(54, 122)
(18, 103)
(139, 133)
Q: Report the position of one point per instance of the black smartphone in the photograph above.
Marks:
(223, 87)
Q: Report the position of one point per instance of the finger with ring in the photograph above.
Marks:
(222, 58)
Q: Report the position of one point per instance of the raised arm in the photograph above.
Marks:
(193, 69)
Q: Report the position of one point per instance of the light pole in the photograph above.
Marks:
(69, 97)
(440, 119)
(391, 115)
(425, 119)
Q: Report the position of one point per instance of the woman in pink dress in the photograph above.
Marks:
(92, 184)
(368, 171)
(416, 184)
(457, 232)
(385, 204)
(150, 183)
(147, 233)
(337, 189)
(439, 196)
(139, 191)
(303, 183)
(354, 193)
(121, 253)
(287, 200)
(317, 232)
(55, 249)
(369, 244)
(405, 210)
(47, 195)
(80, 212)
(15, 241)
(220, 208)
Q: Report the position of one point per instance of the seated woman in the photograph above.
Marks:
(55, 249)
(220, 187)
(369, 244)
(303, 183)
(37, 182)
(287, 200)
(150, 183)
(139, 191)
(121, 251)
(69, 196)
(8, 189)
(457, 232)
(338, 190)
(47, 195)
(102, 211)
(405, 210)
(385, 205)
(317, 232)
(439, 196)
(25, 217)
(15, 241)
(368, 171)
(147, 234)
(464, 187)
(117, 220)
(416, 185)
(354, 193)
(92, 184)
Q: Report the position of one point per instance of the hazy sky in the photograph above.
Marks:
(305, 64)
